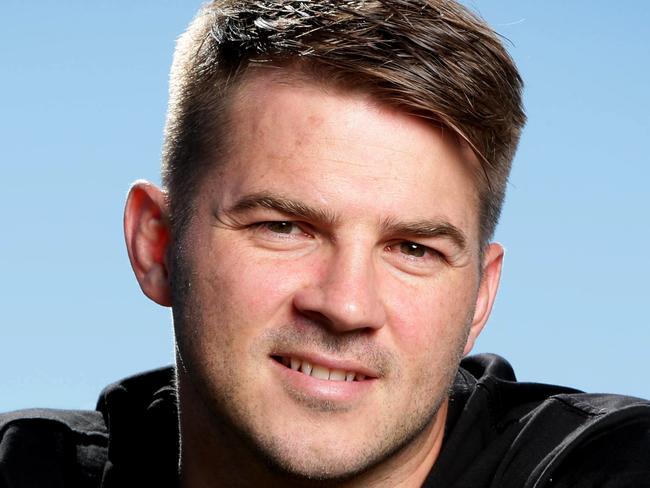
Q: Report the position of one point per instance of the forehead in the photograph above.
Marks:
(286, 129)
(254, 86)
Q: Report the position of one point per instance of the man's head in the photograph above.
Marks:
(333, 171)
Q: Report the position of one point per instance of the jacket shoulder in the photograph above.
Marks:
(47, 447)
(581, 440)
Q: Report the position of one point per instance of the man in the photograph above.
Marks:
(333, 174)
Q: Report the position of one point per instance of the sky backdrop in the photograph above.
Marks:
(83, 91)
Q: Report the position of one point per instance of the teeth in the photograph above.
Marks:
(321, 372)
(337, 375)
(306, 368)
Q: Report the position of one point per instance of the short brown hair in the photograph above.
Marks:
(430, 58)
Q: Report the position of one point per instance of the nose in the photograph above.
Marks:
(343, 293)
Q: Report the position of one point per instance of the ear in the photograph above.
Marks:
(146, 230)
(487, 292)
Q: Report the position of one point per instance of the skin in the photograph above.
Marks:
(340, 231)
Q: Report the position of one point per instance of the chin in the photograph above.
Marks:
(317, 465)
(309, 461)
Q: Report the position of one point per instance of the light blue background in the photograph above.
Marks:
(82, 103)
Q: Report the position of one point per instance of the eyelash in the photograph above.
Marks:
(265, 227)
(428, 252)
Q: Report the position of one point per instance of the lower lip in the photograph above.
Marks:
(326, 390)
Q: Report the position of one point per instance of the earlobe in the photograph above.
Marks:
(492, 265)
(146, 231)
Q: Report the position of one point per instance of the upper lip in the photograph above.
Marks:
(349, 365)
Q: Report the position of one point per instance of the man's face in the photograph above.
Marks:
(328, 280)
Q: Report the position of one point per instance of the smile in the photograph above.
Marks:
(318, 371)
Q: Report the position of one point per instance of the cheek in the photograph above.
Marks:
(235, 287)
(435, 313)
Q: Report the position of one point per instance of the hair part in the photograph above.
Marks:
(430, 58)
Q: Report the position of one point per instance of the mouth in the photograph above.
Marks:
(319, 371)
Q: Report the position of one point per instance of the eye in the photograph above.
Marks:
(413, 249)
(281, 235)
(414, 256)
(281, 230)
(281, 227)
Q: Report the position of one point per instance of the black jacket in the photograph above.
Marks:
(499, 433)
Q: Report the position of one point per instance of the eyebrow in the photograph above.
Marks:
(424, 229)
(299, 210)
(293, 208)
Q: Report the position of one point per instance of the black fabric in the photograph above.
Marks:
(506, 434)
(141, 415)
(51, 448)
(499, 433)
(129, 441)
